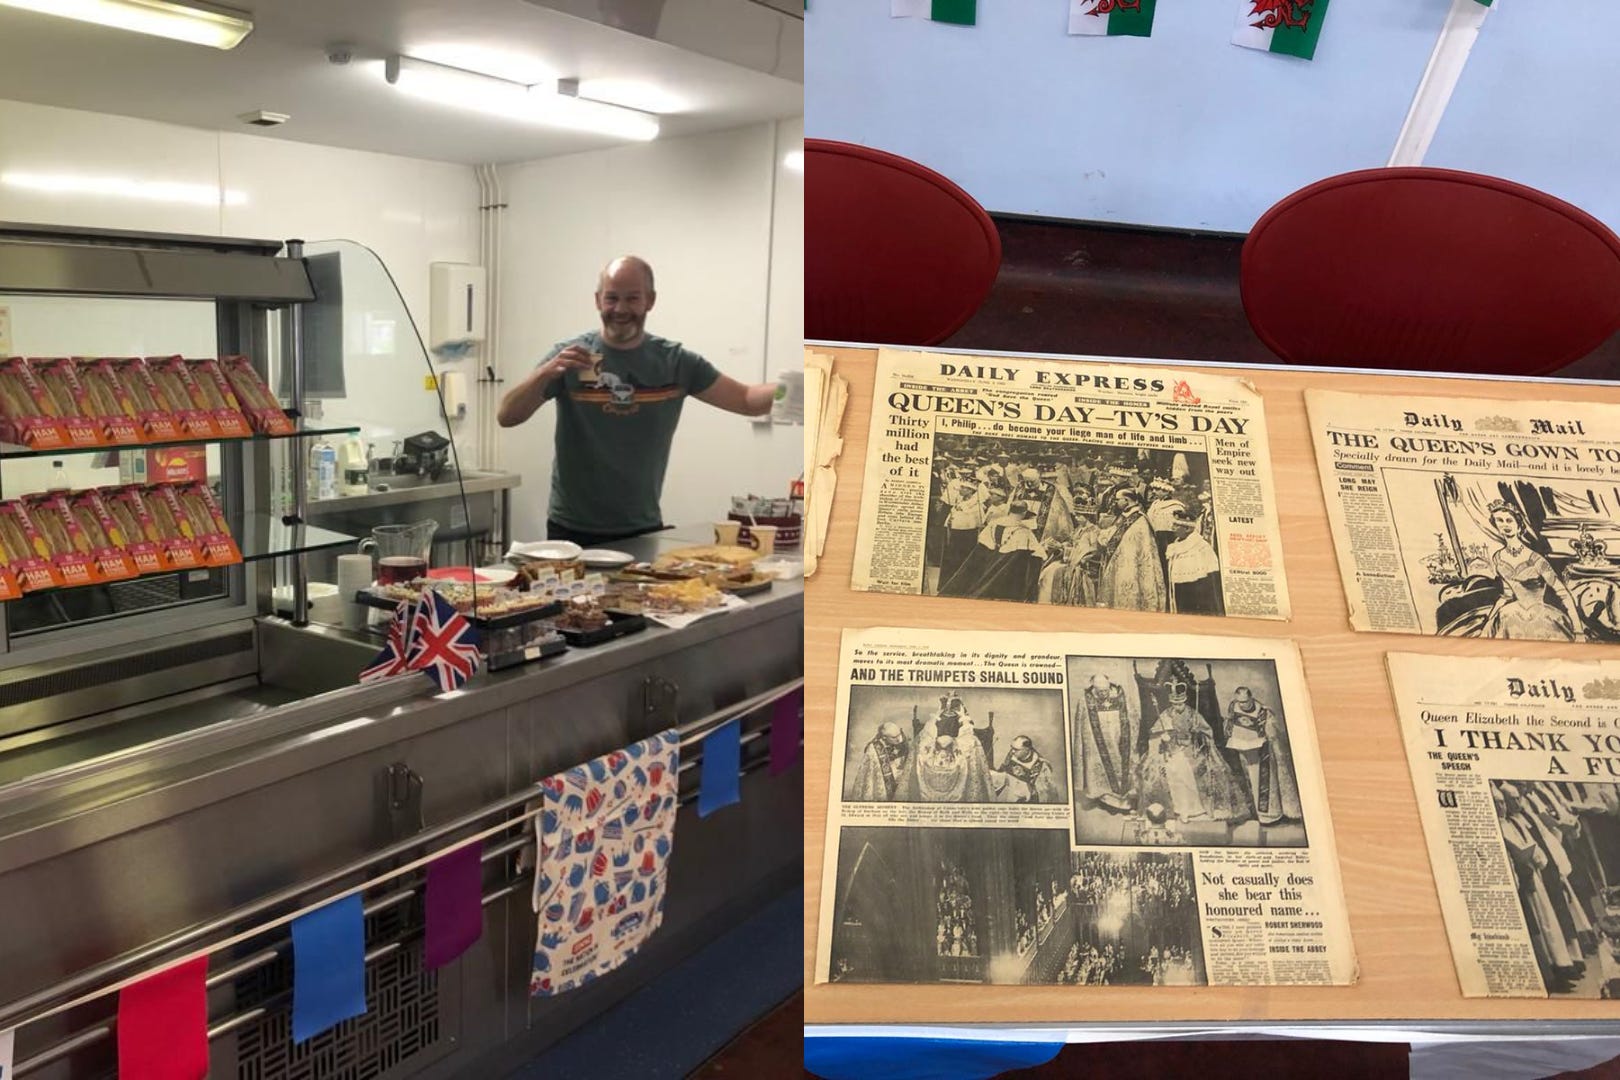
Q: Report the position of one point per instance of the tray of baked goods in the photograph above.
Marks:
(486, 606)
(726, 567)
(509, 646)
(587, 621)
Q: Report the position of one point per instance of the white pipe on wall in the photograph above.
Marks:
(1439, 81)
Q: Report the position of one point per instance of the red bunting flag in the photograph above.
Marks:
(163, 1024)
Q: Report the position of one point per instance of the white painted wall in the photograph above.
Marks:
(410, 212)
(721, 220)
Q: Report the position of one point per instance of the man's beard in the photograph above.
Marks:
(613, 330)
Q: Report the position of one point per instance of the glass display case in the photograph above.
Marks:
(328, 335)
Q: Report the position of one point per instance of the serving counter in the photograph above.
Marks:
(265, 789)
(1406, 976)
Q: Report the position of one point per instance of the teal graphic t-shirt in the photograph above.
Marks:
(615, 429)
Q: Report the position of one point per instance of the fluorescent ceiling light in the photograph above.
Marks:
(642, 96)
(119, 187)
(794, 160)
(539, 103)
(199, 24)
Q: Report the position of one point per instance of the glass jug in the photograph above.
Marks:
(400, 552)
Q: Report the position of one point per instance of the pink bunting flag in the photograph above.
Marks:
(787, 730)
(455, 904)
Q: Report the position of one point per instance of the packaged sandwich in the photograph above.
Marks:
(208, 522)
(67, 543)
(142, 541)
(110, 402)
(180, 543)
(222, 404)
(173, 376)
(27, 556)
(60, 378)
(152, 407)
(28, 414)
(107, 540)
(263, 411)
(13, 551)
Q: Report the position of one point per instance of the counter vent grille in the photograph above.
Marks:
(401, 1019)
(70, 679)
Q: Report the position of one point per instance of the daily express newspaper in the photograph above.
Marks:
(1517, 770)
(1021, 808)
(1468, 517)
(1077, 482)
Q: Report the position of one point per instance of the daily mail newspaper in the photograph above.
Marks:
(1517, 769)
(1020, 808)
(1464, 517)
(1078, 482)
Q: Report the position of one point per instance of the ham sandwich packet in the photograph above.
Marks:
(60, 378)
(142, 540)
(179, 386)
(263, 411)
(221, 401)
(28, 414)
(153, 410)
(193, 506)
(110, 402)
(27, 556)
(175, 535)
(107, 540)
(69, 547)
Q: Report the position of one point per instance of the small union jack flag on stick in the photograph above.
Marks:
(392, 660)
(441, 642)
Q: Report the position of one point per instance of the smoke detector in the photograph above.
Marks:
(264, 118)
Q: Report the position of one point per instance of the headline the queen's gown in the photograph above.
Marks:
(1182, 771)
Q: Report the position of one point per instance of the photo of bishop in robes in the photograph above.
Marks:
(1107, 752)
(883, 763)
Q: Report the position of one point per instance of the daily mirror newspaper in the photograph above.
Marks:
(1517, 769)
(1078, 482)
(1020, 808)
(1464, 517)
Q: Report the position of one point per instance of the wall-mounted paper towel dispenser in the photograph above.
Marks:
(455, 309)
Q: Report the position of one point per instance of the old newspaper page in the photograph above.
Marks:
(1079, 482)
(1517, 770)
(1077, 809)
(1467, 517)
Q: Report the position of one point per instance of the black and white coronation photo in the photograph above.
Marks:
(1136, 921)
(1181, 752)
(924, 744)
(951, 905)
(1563, 841)
(1126, 528)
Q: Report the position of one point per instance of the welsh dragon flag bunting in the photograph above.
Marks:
(1289, 27)
(1113, 18)
(960, 12)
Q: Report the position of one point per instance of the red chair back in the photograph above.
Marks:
(1430, 270)
(894, 253)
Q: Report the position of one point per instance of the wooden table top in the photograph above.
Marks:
(1406, 972)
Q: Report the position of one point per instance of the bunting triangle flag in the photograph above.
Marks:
(1288, 27)
(1111, 18)
(959, 12)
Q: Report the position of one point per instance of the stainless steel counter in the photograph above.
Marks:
(410, 489)
(146, 840)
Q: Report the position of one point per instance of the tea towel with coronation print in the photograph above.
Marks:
(605, 833)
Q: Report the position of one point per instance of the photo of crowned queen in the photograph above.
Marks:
(949, 763)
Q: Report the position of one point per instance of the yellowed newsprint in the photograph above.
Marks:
(1076, 809)
(1517, 769)
(1469, 517)
(1080, 482)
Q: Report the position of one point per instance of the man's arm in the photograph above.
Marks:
(729, 394)
(522, 401)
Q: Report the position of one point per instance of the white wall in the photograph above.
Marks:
(1179, 129)
(410, 212)
(703, 210)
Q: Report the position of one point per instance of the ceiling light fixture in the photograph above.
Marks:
(541, 103)
(199, 24)
(120, 187)
(793, 160)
